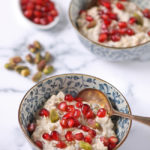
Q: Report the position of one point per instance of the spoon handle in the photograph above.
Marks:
(144, 120)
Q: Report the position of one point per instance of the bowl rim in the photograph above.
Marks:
(99, 44)
(71, 74)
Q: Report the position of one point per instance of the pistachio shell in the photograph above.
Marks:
(29, 58)
(25, 72)
(38, 58)
(20, 68)
(37, 76)
(85, 146)
(54, 117)
(48, 69)
(37, 45)
(10, 66)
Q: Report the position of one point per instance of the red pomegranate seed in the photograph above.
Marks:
(132, 20)
(54, 12)
(113, 32)
(55, 135)
(89, 18)
(68, 115)
(122, 24)
(148, 33)
(61, 145)
(70, 108)
(30, 6)
(38, 7)
(37, 13)
(64, 123)
(146, 13)
(28, 13)
(111, 146)
(79, 104)
(36, 20)
(90, 114)
(120, 6)
(113, 140)
(79, 136)
(23, 2)
(122, 31)
(62, 106)
(44, 112)
(107, 22)
(78, 99)
(92, 133)
(77, 113)
(115, 38)
(43, 21)
(39, 144)
(103, 37)
(69, 136)
(113, 16)
(85, 108)
(130, 32)
(39, 2)
(85, 128)
(104, 16)
(31, 127)
(69, 98)
(71, 123)
(88, 139)
(46, 136)
(106, 4)
(105, 140)
(50, 19)
(77, 123)
(101, 113)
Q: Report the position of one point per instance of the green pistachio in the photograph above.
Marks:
(10, 66)
(37, 76)
(25, 72)
(48, 69)
(20, 68)
(54, 117)
(138, 18)
(85, 146)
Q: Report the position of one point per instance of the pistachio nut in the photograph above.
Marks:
(37, 45)
(139, 19)
(54, 117)
(15, 60)
(38, 58)
(47, 57)
(29, 58)
(37, 76)
(41, 65)
(48, 69)
(20, 68)
(10, 66)
(25, 72)
(85, 145)
(32, 49)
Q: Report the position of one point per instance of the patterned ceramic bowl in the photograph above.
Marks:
(72, 84)
(109, 53)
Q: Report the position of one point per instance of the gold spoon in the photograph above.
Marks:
(94, 96)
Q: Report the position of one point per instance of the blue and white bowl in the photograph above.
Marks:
(141, 51)
(72, 84)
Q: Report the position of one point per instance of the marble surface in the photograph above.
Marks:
(131, 78)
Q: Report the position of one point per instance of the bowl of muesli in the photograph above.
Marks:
(115, 30)
(52, 117)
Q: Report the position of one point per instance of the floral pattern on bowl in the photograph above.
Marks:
(109, 53)
(72, 84)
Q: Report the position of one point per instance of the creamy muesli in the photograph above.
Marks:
(72, 124)
(115, 23)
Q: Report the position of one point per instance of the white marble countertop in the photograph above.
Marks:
(131, 78)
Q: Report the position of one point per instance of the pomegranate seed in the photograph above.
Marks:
(37, 14)
(122, 24)
(61, 145)
(88, 139)
(146, 13)
(120, 6)
(79, 104)
(77, 113)
(113, 16)
(39, 144)
(101, 113)
(104, 16)
(31, 127)
(90, 114)
(64, 123)
(92, 133)
(103, 37)
(111, 146)
(113, 32)
(30, 6)
(115, 38)
(24, 2)
(85, 108)
(113, 140)
(122, 31)
(70, 108)
(148, 33)
(55, 135)
(79, 136)
(89, 18)
(68, 115)
(69, 98)
(69, 136)
(107, 22)
(39, 2)
(106, 4)
(38, 7)
(71, 123)
(85, 128)
(36, 20)
(62, 106)
(44, 112)
(105, 140)
(28, 13)
(130, 32)
(50, 19)
(78, 99)
(76, 123)
(132, 20)
(54, 12)
(46, 136)
(43, 21)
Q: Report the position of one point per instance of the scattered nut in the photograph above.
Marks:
(20, 68)
(37, 45)
(37, 76)
(32, 49)
(138, 18)
(29, 58)
(47, 57)
(41, 65)
(25, 72)
(48, 69)
(16, 59)
(10, 66)
(38, 58)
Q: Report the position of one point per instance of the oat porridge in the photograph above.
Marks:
(115, 23)
(69, 123)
